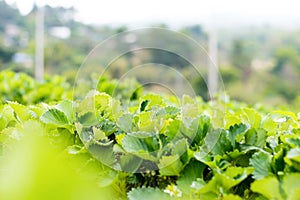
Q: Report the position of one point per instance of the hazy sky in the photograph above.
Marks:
(179, 12)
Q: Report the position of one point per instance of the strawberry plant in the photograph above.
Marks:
(146, 146)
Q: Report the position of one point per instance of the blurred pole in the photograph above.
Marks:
(39, 43)
(213, 62)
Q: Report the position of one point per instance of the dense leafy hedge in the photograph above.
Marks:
(149, 147)
(24, 89)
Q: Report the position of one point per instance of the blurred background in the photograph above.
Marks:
(256, 43)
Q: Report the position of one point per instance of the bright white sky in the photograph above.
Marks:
(177, 12)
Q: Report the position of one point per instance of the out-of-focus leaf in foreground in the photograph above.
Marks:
(33, 170)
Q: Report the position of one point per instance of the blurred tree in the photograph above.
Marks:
(241, 59)
(167, 58)
(200, 87)
(121, 29)
(195, 31)
(59, 56)
(57, 16)
(285, 56)
(229, 74)
(5, 54)
(286, 73)
(171, 44)
(9, 14)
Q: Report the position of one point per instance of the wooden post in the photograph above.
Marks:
(39, 44)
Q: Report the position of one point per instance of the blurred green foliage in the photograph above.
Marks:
(257, 64)
(153, 145)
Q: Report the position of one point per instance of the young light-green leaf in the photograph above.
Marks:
(55, 117)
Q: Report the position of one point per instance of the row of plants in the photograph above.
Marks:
(147, 146)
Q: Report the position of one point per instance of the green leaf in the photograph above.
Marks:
(99, 134)
(133, 144)
(294, 195)
(231, 119)
(172, 129)
(261, 138)
(238, 174)
(103, 152)
(151, 100)
(190, 173)
(291, 185)
(88, 119)
(3, 122)
(61, 138)
(251, 137)
(66, 106)
(231, 197)
(196, 185)
(172, 111)
(95, 101)
(268, 187)
(204, 125)
(227, 180)
(75, 150)
(147, 194)
(261, 162)
(146, 121)
(294, 154)
(55, 117)
(116, 109)
(149, 139)
(189, 107)
(222, 143)
(6, 116)
(234, 131)
(211, 144)
(102, 101)
(293, 158)
(130, 163)
(22, 112)
(180, 147)
(125, 123)
(293, 140)
(107, 178)
(170, 165)
(269, 125)
(255, 137)
(141, 145)
(189, 127)
(278, 163)
(251, 117)
(107, 126)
